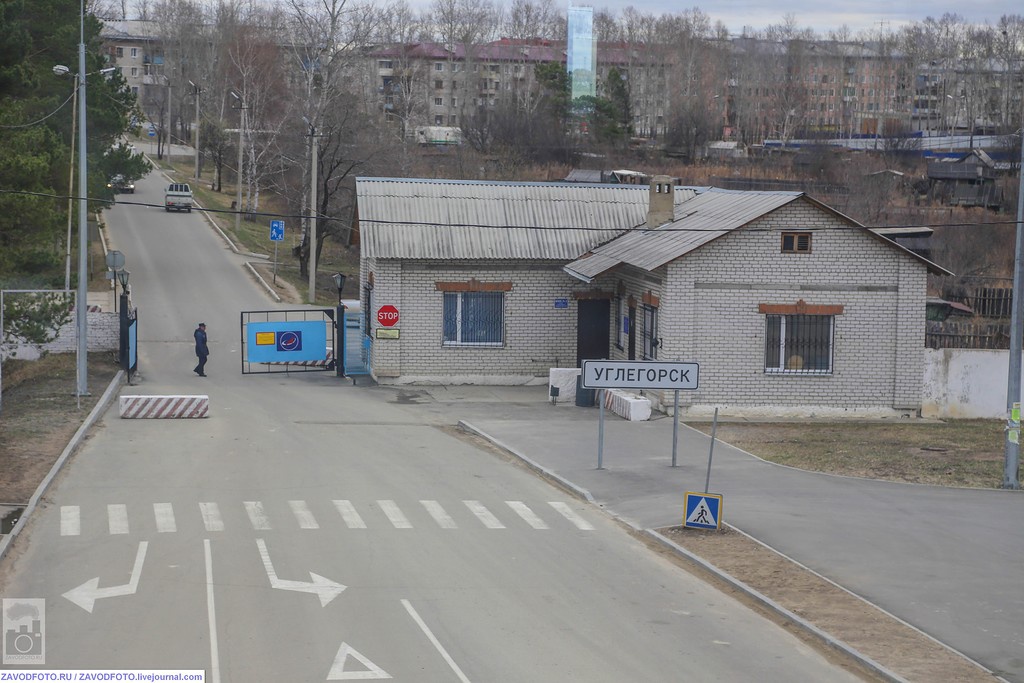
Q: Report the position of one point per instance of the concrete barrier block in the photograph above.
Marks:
(139, 406)
(625, 404)
(565, 380)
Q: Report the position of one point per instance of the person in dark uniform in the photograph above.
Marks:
(202, 350)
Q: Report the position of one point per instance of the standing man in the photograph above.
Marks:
(202, 350)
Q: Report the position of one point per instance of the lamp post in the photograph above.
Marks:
(339, 357)
(241, 141)
(1011, 454)
(82, 303)
(196, 90)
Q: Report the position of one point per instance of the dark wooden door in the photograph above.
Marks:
(593, 330)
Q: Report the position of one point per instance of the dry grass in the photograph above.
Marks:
(951, 453)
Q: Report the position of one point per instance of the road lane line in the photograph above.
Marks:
(164, 514)
(211, 614)
(117, 518)
(258, 518)
(442, 518)
(349, 514)
(567, 512)
(390, 508)
(70, 520)
(436, 643)
(483, 514)
(528, 515)
(211, 516)
(303, 514)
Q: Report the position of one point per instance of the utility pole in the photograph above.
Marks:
(241, 142)
(195, 91)
(314, 148)
(82, 303)
(1011, 463)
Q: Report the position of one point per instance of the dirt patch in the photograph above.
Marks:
(40, 414)
(884, 639)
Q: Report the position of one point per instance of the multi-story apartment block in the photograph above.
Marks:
(134, 48)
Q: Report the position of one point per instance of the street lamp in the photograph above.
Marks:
(241, 141)
(339, 281)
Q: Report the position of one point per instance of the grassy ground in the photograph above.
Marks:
(950, 453)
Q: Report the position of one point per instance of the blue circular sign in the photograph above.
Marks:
(289, 341)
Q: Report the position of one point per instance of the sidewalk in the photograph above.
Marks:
(948, 561)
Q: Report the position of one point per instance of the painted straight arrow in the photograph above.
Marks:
(324, 588)
(86, 595)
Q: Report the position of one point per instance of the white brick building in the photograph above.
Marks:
(787, 305)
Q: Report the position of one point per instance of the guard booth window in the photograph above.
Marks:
(367, 308)
(649, 332)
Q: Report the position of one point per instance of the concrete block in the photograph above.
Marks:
(628, 405)
(139, 406)
(565, 380)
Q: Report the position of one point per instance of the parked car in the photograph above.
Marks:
(118, 183)
(178, 197)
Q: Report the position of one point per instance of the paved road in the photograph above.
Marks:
(305, 533)
(949, 561)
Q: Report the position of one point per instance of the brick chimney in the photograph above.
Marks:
(661, 207)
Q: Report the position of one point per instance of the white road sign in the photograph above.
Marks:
(608, 374)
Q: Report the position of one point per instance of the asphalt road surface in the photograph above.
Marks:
(302, 533)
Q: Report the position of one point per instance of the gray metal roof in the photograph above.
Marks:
(700, 220)
(409, 218)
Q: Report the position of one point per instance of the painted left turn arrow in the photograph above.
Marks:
(86, 595)
(324, 588)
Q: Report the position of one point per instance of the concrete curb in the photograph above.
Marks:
(820, 635)
(98, 409)
(551, 475)
(815, 632)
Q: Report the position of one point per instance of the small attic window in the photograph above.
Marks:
(796, 243)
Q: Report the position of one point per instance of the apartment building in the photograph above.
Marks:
(134, 48)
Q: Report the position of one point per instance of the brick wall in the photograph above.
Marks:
(104, 335)
(709, 313)
(538, 336)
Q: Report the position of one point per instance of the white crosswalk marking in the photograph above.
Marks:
(303, 514)
(211, 516)
(70, 520)
(527, 514)
(258, 518)
(567, 512)
(117, 518)
(483, 514)
(349, 514)
(164, 514)
(442, 518)
(390, 508)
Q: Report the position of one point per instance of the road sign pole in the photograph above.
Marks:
(600, 431)
(711, 451)
(275, 262)
(675, 427)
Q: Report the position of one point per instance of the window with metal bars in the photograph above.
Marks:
(474, 319)
(649, 332)
(796, 242)
(799, 343)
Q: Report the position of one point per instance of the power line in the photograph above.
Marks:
(431, 224)
(36, 123)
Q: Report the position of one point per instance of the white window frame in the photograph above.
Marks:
(460, 300)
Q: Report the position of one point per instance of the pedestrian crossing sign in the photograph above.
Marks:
(703, 511)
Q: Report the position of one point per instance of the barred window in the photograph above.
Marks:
(799, 343)
(474, 318)
(649, 332)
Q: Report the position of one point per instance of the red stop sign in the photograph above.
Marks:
(387, 315)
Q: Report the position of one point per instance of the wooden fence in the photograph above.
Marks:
(967, 335)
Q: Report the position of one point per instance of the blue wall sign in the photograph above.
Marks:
(286, 341)
(561, 303)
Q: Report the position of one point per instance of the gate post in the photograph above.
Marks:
(339, 355)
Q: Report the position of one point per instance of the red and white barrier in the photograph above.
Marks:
(137, 406)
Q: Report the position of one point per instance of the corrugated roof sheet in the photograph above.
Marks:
(700, 220)
(410, 218)
(709, 215)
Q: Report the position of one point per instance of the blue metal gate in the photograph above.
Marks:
(356, 344)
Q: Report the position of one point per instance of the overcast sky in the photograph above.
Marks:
(825, 15)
